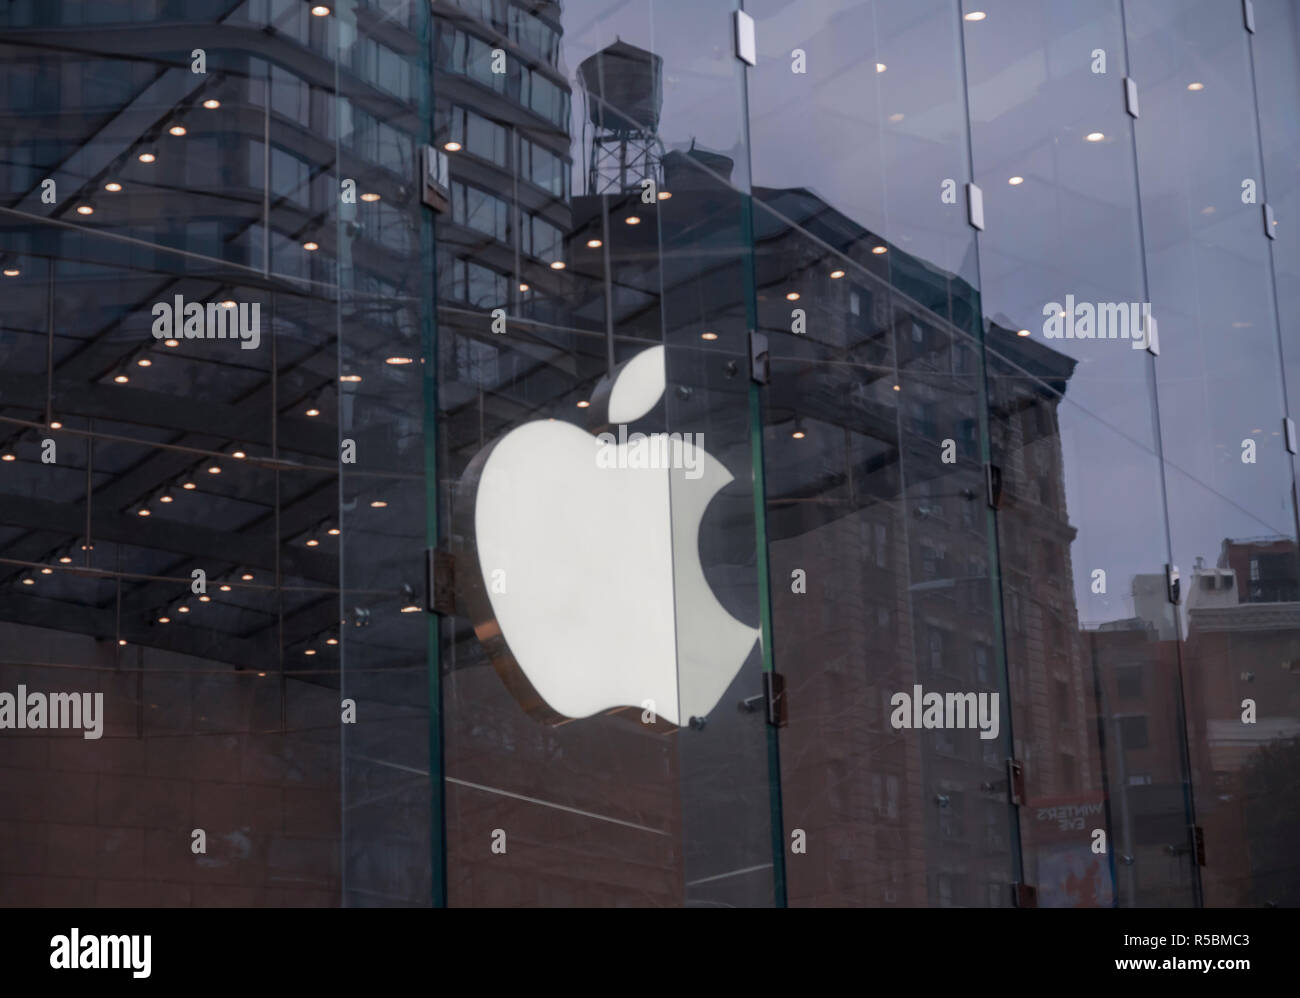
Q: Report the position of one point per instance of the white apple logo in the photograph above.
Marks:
(589, 593)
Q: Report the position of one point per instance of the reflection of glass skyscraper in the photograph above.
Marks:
(178, 532)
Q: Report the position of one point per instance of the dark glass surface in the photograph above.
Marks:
(919, 487)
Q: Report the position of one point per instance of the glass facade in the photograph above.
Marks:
(521, 453)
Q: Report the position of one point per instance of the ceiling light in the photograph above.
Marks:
(313, 411)
(632, 220)
(1022, 332)
(350, 378)
(229, 303)
(247, 576)
(8, 456)
(665, 195)
(310, 651)
(708, 336)
(113, 186)
(792, 296)
(144, 511)
(214, 469)
(28, 581)
(896, 117)
(238, 455)
(121, 379)
(189, 486)
(558, 265)
(65, 560)
(47, 571)
(798, 434)
(225, 588)
(976, 15)
(311, 247)
(1015, 181)
(334, 531)
(410, 608)
(881, 67)
(594, 244)
(331, 641)
(313, 543)
(836, 275)
(85, 209)
(1196, 86)
(370, 196)
(398, 361)
(164, 620)
(897, 388)
(146, 157)
(878, 250)
(583, 404)
(1095, 136)
(12, 272)
(212, 103)
(182, 609)
(144, 362)
(378, 504)
(177, 129)
(56, 425)
(166, 497)
(320, 10)
(121, 641)
(205, 599)
(452, 146)
(523, 287)
(171, 343)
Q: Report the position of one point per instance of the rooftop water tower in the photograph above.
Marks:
(624, 89)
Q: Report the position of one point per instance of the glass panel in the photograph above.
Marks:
(1071, 408)
(1229, 484)
(881, 545)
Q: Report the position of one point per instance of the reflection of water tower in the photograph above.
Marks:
(625, 91)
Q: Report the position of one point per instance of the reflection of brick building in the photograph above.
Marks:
(1052, 687)
(1243, 773)
(925, 813)
(1137, 683)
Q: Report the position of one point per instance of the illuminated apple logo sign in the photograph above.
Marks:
(582, 569)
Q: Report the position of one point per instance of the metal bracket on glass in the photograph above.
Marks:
(1173, 585)
(774, 693)
(1131, 97)
(1248, 15)
(1198, 844)
(1024, 895)
(1016, 781)
(440, 582)
(760, 369)
(1288, 427)
(772, 699)
(435, 189)
(1151, 333)
(993, 485)
(1270, 223)
(746, 46)
(975, 206)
